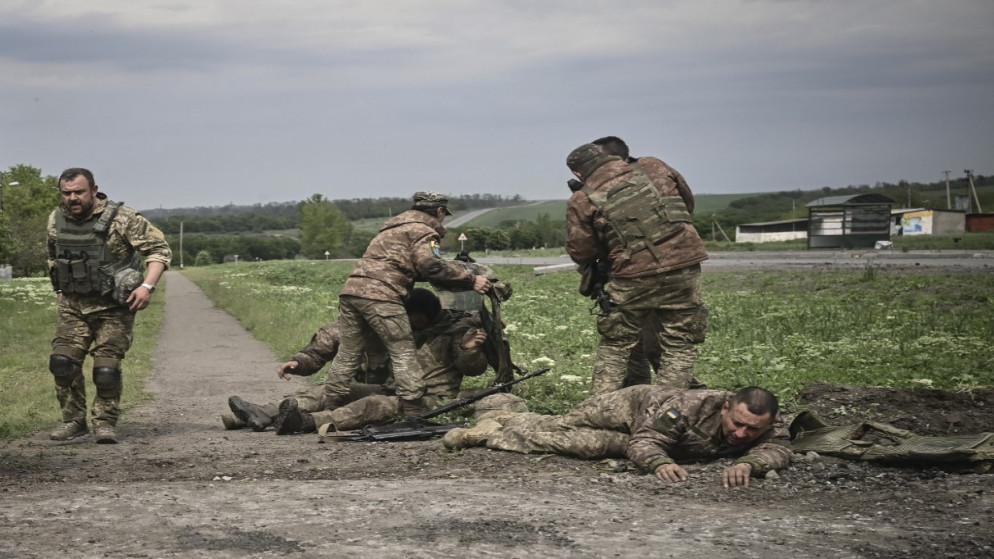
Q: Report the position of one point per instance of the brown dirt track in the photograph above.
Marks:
(180, 486)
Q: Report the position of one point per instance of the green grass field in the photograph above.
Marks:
(779, 330)
(27, 391)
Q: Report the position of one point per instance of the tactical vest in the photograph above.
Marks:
(84, 264)
(640, 217)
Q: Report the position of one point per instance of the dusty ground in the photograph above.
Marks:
(180, 486)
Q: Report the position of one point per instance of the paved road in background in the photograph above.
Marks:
(800, 260)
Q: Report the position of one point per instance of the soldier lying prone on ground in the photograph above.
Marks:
(654, 426)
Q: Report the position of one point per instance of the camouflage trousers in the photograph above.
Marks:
(598, 427)
(358, 319)
(104, 334)
(313, 399)
(378, 409)
(664, 316)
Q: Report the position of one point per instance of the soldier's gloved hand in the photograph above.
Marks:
(286, 369)
(481, 284)
(473, 338)
(671, 472)
(736, 475)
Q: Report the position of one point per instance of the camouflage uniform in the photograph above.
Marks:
(598, 427)
(97, 325)
(406, 250)
(660, 283)
(371, 378)
(441, 358)
(685, 425)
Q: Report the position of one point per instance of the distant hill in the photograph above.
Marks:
(493, 211)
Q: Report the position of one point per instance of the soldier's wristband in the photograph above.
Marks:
(149, 287)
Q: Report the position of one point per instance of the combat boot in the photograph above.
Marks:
(413, 409)
(68, 431)
(471, 436)
(231, 422)
(255, 416)
(104, 434)
(292, 420)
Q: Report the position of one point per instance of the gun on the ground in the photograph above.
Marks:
(421, 427)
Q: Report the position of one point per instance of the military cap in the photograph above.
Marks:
(587, 158)
(430, 199)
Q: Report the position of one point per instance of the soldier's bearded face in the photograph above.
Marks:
(740, 426)
(78, 196)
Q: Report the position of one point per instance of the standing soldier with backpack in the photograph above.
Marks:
(634, 217)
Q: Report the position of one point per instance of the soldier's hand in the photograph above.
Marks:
(671, 473)
(285, 369)
(481, 284)
(139, 299)
(736, 475)
(473, 338)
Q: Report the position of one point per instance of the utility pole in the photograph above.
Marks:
(973, 189)
(949, 201)
(181, 246)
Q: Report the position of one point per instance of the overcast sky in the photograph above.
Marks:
(177, 103)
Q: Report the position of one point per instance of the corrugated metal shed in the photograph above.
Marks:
(853, 221)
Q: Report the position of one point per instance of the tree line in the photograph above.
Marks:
(320, 228)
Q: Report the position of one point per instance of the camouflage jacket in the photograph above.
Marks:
(586, 227)
(128, 232)
(324, 346)
(439, 352)
(405, 250)
(675, 425)
(443, 360)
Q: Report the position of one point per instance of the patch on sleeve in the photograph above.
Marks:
(666, 420)
(436, 249)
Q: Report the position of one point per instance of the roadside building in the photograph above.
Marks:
(772, 231)
(922, 221)
(851, 221)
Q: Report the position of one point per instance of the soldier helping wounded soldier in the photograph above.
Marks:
(405, 250)
(449, 346)
(97, 252)
(656, 427)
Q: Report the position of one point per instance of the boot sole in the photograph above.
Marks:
(238, 406)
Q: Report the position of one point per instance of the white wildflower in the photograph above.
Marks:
(543, 362)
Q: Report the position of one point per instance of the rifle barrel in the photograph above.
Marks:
(479, 395)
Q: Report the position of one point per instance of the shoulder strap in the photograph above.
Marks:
(110, 212)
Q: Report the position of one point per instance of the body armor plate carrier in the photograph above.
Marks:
(640, 217)
(83, 264)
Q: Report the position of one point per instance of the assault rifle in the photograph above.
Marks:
(421, 427)
(592, 281)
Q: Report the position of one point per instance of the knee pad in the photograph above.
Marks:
(62, 367)
(107, 379)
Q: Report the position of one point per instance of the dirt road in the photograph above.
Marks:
(180, 486)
